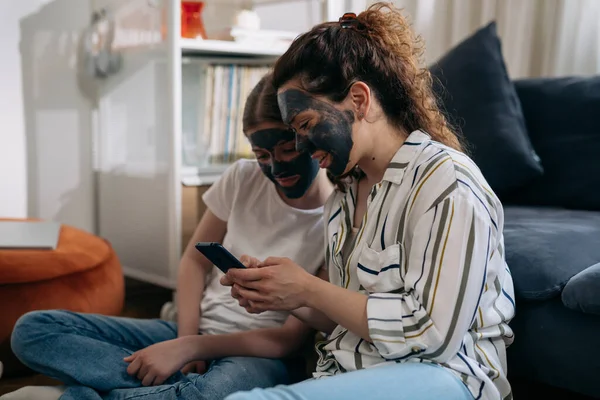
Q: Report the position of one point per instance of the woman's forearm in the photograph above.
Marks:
(343, 306)
(315, 319)
(190, 287)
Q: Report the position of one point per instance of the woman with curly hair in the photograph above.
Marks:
(418, 283)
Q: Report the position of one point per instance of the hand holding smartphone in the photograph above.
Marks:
(219, 256)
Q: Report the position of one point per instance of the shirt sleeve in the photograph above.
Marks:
(446, 263)
(220, 197)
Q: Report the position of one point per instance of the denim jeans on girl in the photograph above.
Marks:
(86, 351)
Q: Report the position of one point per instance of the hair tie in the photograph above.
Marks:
(349, 20)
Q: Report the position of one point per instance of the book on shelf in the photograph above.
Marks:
(220, 135)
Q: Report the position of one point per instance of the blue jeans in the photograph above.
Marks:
(86, 351)
(408, 381)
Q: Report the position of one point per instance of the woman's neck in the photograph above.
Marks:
(384, 142)
(316, 195)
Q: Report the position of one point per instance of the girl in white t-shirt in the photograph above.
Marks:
(272, 205)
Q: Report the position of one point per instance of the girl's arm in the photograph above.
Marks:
(156, 363)
(193, 269)
(266, 343)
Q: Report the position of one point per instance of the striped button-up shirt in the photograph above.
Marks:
(430, 256)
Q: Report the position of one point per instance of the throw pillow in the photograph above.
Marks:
(582, 292)
(479, 99)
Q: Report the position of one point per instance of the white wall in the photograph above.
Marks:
(294, 16)
(45, 124)
(13, 166)
(301, 15)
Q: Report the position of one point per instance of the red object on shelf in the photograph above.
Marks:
(192, 26)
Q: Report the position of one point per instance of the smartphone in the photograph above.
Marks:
(219, 256)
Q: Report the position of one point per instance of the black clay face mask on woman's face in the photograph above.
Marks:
(281, 168)
(329, 130)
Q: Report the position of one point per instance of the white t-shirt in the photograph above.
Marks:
(260, 225)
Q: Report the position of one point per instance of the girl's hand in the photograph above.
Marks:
(279, 284)
(198, 367)
(157, 363)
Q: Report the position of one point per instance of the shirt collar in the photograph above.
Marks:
(412, 145)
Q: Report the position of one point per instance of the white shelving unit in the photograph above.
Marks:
(140, 169)
(212, 48)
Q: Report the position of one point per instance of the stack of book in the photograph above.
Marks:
(226, 88)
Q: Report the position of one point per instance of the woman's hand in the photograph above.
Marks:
(155, 364)
(277, 284)
(249, 262)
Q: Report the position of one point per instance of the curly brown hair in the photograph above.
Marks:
(379, 49)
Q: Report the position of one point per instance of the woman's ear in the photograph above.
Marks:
(360, 96)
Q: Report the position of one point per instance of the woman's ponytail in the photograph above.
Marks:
(391, 32)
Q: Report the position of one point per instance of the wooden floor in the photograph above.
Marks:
(142, 300)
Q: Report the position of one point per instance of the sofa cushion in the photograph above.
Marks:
(582, 292)
(563, 124)
(479, 99)
(545, 247)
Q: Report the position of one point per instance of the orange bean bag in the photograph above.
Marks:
(83, 274)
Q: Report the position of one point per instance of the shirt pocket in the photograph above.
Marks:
(380, 271)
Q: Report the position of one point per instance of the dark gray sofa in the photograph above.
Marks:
(537, 142)
(552, 238)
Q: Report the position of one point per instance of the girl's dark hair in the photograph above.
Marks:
(261, 105)
(380, 49)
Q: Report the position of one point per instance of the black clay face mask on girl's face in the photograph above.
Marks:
(292, 175)
(326, 128)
